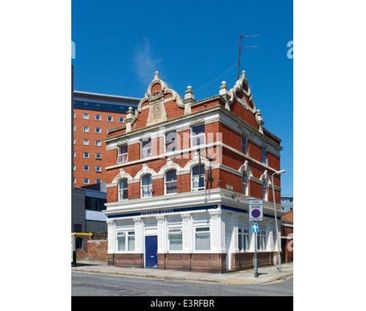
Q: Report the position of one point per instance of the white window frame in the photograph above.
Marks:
(86, 129)
(86, 155)
(74, 115)
(98, 142)
(121, 119)
(126, 233)
(142, 149)
(122, 157)
(74, 154)
(96, 117)
(98, 170)
(74, 180)
(74, 141)
(203, 176)
(96, 156)
(166, 182)
(209, 235)
(74, 167)
(74, 128)
(85, 116)
(143, 186)
(174, 230)
(86, 142)
(88, 181)
(86, 168)
(98, 130)
(120, 190)
(165, 141)
(203, 134)
(109, 118)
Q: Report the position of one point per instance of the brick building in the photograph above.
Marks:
(287, 233)
(179, 176)
(93, 115)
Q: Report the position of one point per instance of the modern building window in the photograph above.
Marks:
(98, 169)
(86, 142)
(123, 189)
(110, 119)
(198, 177)
(98, 142)
(261, 241)
(264, 155)
(121, 119)
(175, 238)
(86, 181)
(146, 186)
(243, 239)
(171, 181)
(170, 141)
(98, 130)
(122, 153)
(86, 129)
(244, 144)
(86, 155)
(245, 182)
(98, 156)
(198, 134)
(146, 148)
(125, 241)
(86, 116)
(85, 167)
(202, 238)
(98, 117)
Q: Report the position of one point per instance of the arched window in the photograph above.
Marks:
(198, 177)
(123, 189)
(146, 186)
(245, 183)
(171, 181)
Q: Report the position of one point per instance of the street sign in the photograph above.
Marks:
(255, 210)
(255, 228)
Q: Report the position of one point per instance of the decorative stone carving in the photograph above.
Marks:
(188, 100)
(259, 119)
(129, 118)
(223, 92)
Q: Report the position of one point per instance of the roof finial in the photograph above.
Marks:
(157, 75)
(242, 74)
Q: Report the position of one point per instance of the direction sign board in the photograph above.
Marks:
(255, 210)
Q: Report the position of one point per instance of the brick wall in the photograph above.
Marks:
(95, 250)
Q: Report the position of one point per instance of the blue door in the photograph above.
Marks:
(151, 251)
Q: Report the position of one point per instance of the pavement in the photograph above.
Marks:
(267, 275)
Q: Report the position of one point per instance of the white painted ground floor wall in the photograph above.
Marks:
(218, 229)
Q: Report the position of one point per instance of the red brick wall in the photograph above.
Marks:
(96, 250)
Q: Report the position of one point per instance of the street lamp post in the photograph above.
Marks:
(276, 224)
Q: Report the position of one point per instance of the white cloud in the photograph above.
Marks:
(145, 63)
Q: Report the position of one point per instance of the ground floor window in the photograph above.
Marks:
(261, 241)
(125, 241)
(202, 239)
(175, 239)
(243, 239)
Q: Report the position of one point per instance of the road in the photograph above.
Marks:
(84, 284)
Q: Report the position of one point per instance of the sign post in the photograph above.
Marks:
(255, 214)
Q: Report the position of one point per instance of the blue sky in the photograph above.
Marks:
(119, 45)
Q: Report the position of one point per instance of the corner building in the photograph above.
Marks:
(179, 176)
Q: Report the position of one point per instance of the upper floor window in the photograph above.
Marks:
(122, 153)
(74, 141)
(85, 142)
(198, 134)
(245, 183)
(198, 177)
(146, 186)
(98, 142)
(123, 189)
(74, 115)
(74, 154)
(98, 156)
(110, 119)
(86, 181)
(74, 128)
(170, 141)
(264, 189)
(146, 148)
(86, 116)
(86, 129)
(98, 130)
(244, 144)
(85, 167)
(171, 181)
(121, 119)
(264, 155)
(86, 155)
(98, 117)
(98, 169)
